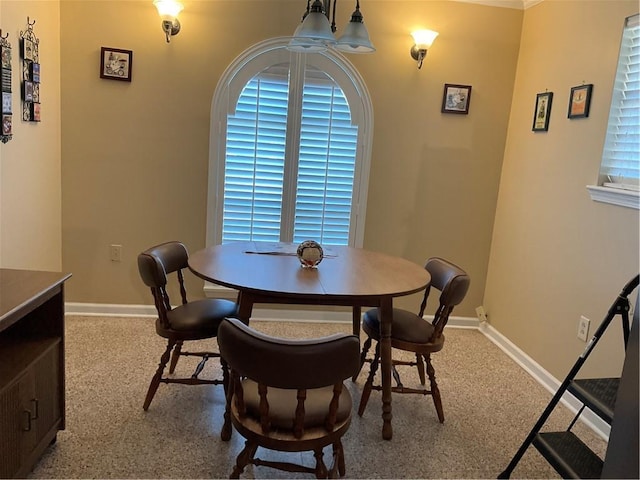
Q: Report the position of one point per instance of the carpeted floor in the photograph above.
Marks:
(490, 404)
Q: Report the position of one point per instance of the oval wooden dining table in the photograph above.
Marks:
(347, 276)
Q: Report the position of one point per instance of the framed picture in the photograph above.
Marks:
(580, 101)
(35, 72)
(28, 92)
(7, 128)
(456, 98)
(6, 57)
(6, 102)
(542, 112)
(27, 49)
(35, 112)
(115, 64)
(6, 80)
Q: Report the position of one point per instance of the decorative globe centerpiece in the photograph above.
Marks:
(310, 253)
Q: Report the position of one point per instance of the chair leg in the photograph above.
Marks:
(225, 375)
(366, 390)
(225, 433)
(321, 469)
(420, 366)
(155, 381)
(363, 356)
(175, 356)
(244, 458)
(435, 392)
(338, 453)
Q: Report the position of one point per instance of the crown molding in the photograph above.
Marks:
(515, 4)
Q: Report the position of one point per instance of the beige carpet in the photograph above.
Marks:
(490, 404)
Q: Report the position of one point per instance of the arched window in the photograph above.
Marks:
(290, 147)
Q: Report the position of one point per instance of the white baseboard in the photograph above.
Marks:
(263, 314)
(543, 377)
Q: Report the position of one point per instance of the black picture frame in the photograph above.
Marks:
(28, 50)
(34, 70)
(580, 101)
(456, 98)
(542, 112)
(116, 64)
(5, 54)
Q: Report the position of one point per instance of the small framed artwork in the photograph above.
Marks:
(115, 64)
(6, 80)
(36, 92)
(28, 92)
(35, 72)
(6, 57)
(7, 123)
(542, 112)
(6, 102)
(580, 101)
(35, 112)
(27, 49)
(456, 98)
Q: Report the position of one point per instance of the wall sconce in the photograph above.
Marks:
(423, 40)
(168, 11)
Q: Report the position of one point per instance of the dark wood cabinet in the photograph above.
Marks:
(32, 401)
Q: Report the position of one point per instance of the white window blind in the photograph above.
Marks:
(621, 155)
(257, 163)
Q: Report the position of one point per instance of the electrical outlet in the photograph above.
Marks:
(482, 316)
(115, 253)
(583, 328)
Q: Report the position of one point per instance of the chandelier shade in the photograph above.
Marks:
(316, 33)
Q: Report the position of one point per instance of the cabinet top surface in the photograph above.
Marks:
(18, 288)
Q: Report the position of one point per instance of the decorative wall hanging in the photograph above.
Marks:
(7, 108)
(30, 74)
(580, 101)
(542, 112)
(456, 98)
(115, 64)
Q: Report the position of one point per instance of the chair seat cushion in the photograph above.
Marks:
(406, 326)
(198, 319)
(282, 405)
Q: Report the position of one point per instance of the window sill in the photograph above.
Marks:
(211, 290)
(615, 196)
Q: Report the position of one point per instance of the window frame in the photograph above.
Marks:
(609, 192)
(253, 61)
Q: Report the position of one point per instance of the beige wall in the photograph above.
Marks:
(556, 254)
(30, 189)
(135, 154)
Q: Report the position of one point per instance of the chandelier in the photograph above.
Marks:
(315, 33)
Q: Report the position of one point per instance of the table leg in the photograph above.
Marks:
(356, 320)
(385, 314)
(245, 306)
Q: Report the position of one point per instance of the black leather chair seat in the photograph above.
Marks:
(406, 326)
(198, 319)
(282, 404)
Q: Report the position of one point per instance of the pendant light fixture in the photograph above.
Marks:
(315, 33)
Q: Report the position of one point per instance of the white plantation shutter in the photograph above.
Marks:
(326, 166)
(254, 166)
(256, 162)
(621, 154)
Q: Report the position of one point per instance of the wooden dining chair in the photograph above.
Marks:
(195, 320)
(288, 395)
(412, 333)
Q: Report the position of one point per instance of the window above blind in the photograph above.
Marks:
(620, 167)
(256, 196)
(290, 147)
